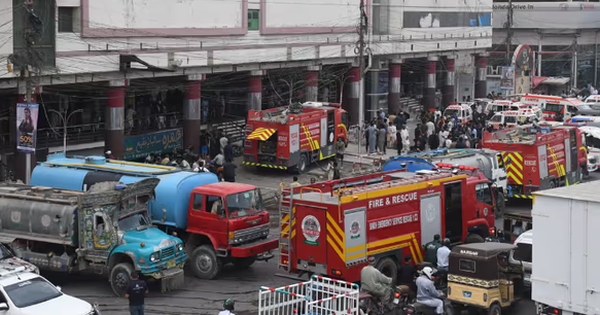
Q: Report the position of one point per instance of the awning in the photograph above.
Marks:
(549, 81)
(261, 134)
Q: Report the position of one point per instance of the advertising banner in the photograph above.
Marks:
(507, 80)
(138, 147)
(27, 117)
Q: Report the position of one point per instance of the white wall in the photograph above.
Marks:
(6, 31)
(165, 14)
(311, 13)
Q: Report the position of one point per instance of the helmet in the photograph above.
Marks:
(229, 304)
(427, 271)
(446, 242)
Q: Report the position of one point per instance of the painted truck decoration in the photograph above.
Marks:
(219, 222)
(292, 137)
(103, 231)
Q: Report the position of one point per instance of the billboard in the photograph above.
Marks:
(138, 147)
(27, 118)
(508, 78)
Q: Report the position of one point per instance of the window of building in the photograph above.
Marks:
(68, 21)
(253, 20)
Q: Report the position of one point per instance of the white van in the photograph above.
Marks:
(523, 255)
(501, 106)
(514, 117)
(462, 111)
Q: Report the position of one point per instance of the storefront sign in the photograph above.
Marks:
(27, 116)
(138, 147)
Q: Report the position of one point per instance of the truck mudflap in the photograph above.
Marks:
(170, 279)
(260, 248)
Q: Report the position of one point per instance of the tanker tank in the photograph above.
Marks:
(172, 195)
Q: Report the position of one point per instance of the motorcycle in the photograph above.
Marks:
(439, 277)
(422, 309)
(395, 306)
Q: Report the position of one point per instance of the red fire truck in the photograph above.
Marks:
(552, 157)
(331, 228)
(294, 136)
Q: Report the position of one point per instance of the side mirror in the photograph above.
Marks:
(3, 307)
(59, 288)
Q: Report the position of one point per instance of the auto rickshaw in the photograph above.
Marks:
(481, 278)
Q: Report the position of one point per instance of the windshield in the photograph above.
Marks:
(136, 221)
(31, 292)
(510, 119)
(5, 253)
(244, 204)
(496, 118)
(583, 107)
(523, 252)
(451, 112)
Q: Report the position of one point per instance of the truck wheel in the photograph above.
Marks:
(244, 263)
(205, 263)
(500, 205)
(119, 278)
(302, 164)
(474, 238)
(388, 267)
(495, 310)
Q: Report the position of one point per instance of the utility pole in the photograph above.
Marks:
(65, 119)
(29, 40)
(361, 66)
(509, 34)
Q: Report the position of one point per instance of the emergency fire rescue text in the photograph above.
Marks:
(386, 201)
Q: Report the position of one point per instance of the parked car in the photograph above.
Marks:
(589, 109)
(28, 293)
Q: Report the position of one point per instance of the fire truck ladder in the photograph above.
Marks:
(394, 183)
(286, 217)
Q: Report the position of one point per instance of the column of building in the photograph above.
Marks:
(448, 91)
(481, 75)
(311, 84)
(352, 102)
(395, 87)
(429, 99)
(114, 139)
(192, 111)
(255, 90)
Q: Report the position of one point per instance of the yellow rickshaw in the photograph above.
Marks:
(481, 279)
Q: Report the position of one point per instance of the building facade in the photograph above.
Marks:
(562, 34)
(165, 64)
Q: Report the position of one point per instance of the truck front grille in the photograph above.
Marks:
(250, 234)
(168, 252)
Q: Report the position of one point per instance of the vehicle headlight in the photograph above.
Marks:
(180, 247)
(154, 257)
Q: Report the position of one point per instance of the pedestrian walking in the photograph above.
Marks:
(405, 140)
(372, 136)
(381, 138)
(136, 292)
(229, 172)
(391, 136)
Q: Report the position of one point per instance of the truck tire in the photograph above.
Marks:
(205, 263)
(495, 309)
(474, 238)
(500, 205)
(119, 278)
(244, 263)
(388, 267)
(302, 164)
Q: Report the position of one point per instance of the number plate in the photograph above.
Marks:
(396, 300)
(171, 264)
(467, 294)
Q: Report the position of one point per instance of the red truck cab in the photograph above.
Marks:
(227, 223)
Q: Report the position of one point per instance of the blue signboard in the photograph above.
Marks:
(138, 147)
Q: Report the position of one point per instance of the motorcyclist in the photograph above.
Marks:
(228, 307)
(426, 292)
(375, 283)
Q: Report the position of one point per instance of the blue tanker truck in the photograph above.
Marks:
(218, 222)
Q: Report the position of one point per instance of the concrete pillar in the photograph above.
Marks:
(311, 83)
(192, 111)
(448, 91)
(352, 102)
(114, 136)
(255, 91)
(481, 75)
(395, 88)
(429, 102)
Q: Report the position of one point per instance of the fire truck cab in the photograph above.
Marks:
(292, 137)
(331, 228)
(539, 159)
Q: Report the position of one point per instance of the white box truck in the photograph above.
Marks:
(566, 277)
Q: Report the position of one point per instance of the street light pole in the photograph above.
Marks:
(65, 119)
